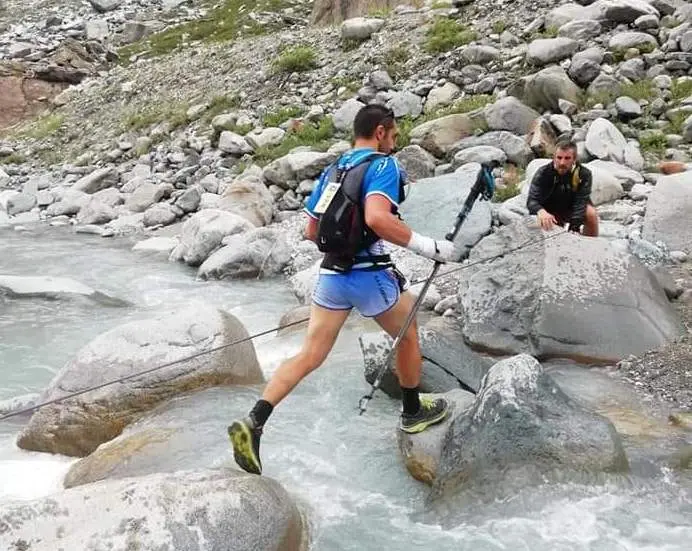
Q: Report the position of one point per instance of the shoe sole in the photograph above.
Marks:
(241, 439)
(422, 425)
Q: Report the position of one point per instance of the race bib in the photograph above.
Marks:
(327, 197)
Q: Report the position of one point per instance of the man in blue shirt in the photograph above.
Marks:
(370, 284)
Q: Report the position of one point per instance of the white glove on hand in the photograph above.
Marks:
(439, 251)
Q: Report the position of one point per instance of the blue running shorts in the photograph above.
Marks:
(371, 292)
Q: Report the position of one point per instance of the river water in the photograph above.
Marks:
(344, 469)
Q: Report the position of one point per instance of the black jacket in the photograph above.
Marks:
(564, 196)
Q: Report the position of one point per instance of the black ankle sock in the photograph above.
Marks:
(411, 400)
(261, 412)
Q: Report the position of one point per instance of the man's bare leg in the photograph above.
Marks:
(323, 328)
(418, 414)
(590, 222)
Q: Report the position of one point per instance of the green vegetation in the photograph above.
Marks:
(441, 4)
(681, 90)
(394, 60)
(296, 60)
(174, 113)
(548, 32)
(318, 137)
(506, 192)
(379, 13)
(644, 89)
(13, 159)
(225, 21)
(446, 34)
(653, 142)
(221, 104)
(40, 128)
(676, 122)
(464, 105)
(499, 26)
(275, 118)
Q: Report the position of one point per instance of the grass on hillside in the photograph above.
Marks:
(296, 59)
(318, 137)
(225, 21)
(446, 34)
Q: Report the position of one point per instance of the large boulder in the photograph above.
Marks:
(99, 179)
(439, 135)
(568, 296)
(544, 90)
(204, 509)
(669, 212)
(516, 148)
(421, 452)
(203, 232)
(604, 141)
(52, 288)
(550, 50)
(632, 39)
(448, 363)
(79, 425)
(288, 171)
(249, 199)
(433, 205)
(509, 113)
(416, 161)
(626, 11)
(261, 252)
(521, 430)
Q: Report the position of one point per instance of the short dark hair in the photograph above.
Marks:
(566, 143)
(369, 118)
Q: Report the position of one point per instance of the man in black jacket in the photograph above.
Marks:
(560, 193)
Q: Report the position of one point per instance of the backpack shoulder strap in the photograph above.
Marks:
(353, 178)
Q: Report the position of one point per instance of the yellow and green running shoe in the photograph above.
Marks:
(245, 438)
(431, 412)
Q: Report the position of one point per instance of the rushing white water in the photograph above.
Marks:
(343, 468)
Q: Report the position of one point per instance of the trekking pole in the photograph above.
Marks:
(484, 187)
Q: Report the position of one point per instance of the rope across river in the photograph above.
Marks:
(70, 395)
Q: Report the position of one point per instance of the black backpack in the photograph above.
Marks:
(342, 231)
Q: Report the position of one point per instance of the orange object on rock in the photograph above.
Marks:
(672, 167)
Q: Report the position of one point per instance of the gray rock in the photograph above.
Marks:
(632, 39)
(421, 452)
(380, 80)
(14, 202)
(557, 17)
(603, 83)
(162, 245)
(406, 103)
(640, 191)
(605, 141)
(627, 177)
(160, 214)
(516, 149)
(580, 29)
(521, 430)
(248, 199)
(562, 123)
(544, 308)
(633, 69)
(439, 135)
(97, 29)
(360, 28)
(291, 169)
(440, 96)
(77, 426)
(99, 179)
(668, 212)
(132, 31)
(189, 200)
(584, 71)
(627, 108)
(509, 113)
(545, 89)
(687, 129)
(444, 196)
(51, 288)
(343, 117)
(146, 195)
(647, 23)
(627, 11)
(234, 144)
(448, 363)
(478, 55)
(550, 50)
(110, 196)
(69, 203)
(96, 212)
(103, 6)
(266, 137)
(416, 161)
(212, 508)
(260, 252)
(479, 154)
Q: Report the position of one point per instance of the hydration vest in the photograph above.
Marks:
(342, 232)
